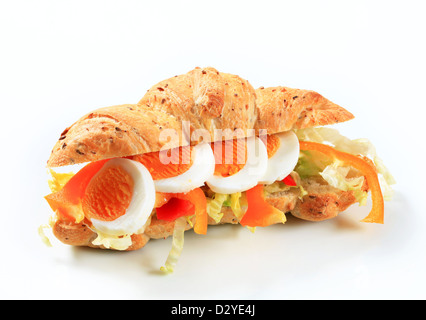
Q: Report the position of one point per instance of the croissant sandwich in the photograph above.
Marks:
(206, 148)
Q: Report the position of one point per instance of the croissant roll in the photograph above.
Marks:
(201, 99)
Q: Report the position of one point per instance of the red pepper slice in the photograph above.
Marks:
(197, 204)
(175, 208)
(289, 181)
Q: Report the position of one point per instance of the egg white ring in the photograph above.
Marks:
(203, 164)
(282, 163)
(141, 205)
(249, 176)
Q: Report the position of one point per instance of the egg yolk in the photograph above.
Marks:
(272, 144)
(225, 166)
(180, 162)
(108, 194)
(230, 156)
(66, 201)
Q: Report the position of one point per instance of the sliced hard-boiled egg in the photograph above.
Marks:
(283, 153)
(202, 168)
(248, 176)
(120, 198)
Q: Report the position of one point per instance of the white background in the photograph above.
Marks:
(61, 59)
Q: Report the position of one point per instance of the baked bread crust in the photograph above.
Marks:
(282, 109)
(204, 98)
(116, 131)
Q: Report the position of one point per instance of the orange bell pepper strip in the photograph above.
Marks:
(260, 213)
(198, 199)
(376, 214)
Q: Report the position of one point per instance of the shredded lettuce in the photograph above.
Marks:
(239, 207)
(311, 163)
(214, 206)
(177, 245)
(43, 236)
(112, 242)
(279, 186)
(189, 220)
(303, 192)
(236, 201)
(58, 180)
(227, 202)
(236, 205)
(333, 172)
(337, 176)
